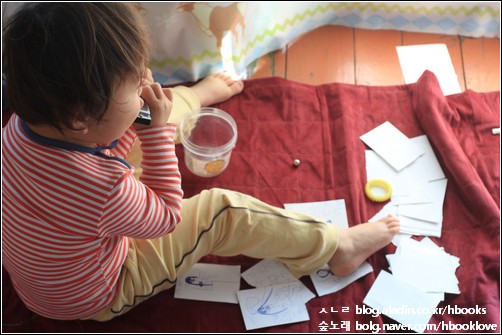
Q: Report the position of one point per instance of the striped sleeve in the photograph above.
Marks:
(152, 207)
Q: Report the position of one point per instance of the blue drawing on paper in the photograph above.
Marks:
(196, 281)
(323, 273)
(267, 309)
(271, 305)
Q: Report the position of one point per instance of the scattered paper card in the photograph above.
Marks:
(431, 211)
(377, 168)
(427, 166)
(267, 272)
(419, 227)
(392, 145)
(331, 211)
(325, 282)
(274, 305)
(405, 304)
(422, 273)
(415, 59)
(425, 265)
(209, 282)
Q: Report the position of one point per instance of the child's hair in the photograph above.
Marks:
(63, 60)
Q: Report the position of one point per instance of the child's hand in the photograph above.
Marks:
(160, 102)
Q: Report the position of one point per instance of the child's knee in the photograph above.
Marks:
(226, 197)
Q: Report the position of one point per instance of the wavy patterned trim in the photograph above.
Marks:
(323, 9)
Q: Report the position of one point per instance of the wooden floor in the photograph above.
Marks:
(368, 57)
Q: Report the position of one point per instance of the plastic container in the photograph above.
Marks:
(208, 136)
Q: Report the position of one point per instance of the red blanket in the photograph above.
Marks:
(280, 121)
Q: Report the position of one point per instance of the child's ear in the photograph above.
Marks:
(78, 126)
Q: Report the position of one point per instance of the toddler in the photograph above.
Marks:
(81, 237)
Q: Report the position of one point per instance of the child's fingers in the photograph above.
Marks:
(157, 89)
(152, 92)
(168, 93)
(160, 102)
(147, 93)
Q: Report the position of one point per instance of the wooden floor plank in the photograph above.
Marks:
(481, 64)
(325, 55)
(452, 42)
(369, 57)
(376, 58)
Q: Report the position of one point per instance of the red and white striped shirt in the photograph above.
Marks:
(68, 213)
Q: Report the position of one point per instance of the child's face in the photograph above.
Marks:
(123, 109)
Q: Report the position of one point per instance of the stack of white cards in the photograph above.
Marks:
(422, 273)
(418, 183)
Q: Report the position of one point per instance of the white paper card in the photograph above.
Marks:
(209, 282)
(331, 211)
(429, 274)
(426, 266)
(392, 145)
(377, 168)
(274, 305)
(392, 296)
(419, 227)
(268, 272)
(432, 211)
(415, 59)
(325, 282)
(389, 208)
(427, 166)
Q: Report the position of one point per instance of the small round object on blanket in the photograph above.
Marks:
(373, 184)
(296, 163)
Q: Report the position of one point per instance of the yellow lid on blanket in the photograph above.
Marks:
(374, 184)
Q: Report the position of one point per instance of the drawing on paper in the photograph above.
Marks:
(324, 273)
(274, 303)
(201, 280)
(267, 309)
(196, 281)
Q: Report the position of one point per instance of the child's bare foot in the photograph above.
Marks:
(359, 242)
(217, 87)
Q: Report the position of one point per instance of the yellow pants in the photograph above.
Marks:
(218, 222)
(225, 223)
